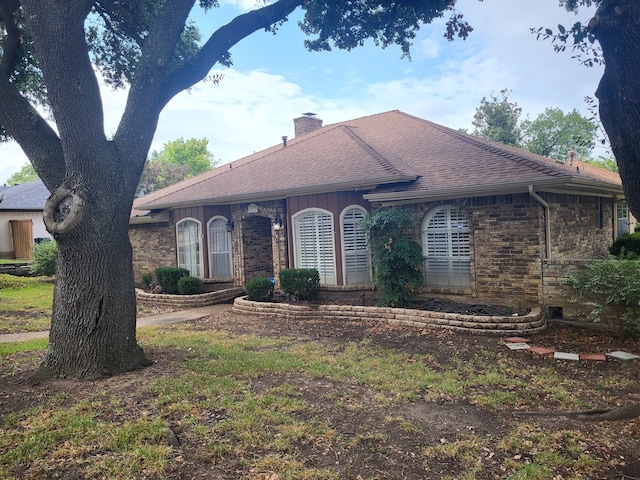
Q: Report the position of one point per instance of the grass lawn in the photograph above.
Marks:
(25, 304)
(242, 397)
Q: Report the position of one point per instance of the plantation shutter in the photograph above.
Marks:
(445, 235)
(220, 262)
(189, 248)
(356, 253)
(314, 242)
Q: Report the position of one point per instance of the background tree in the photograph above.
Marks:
(605, 162)
(615, 27)
(177, 161)
(553, 134)
(151, 46)
(498, 119)
(25, 175)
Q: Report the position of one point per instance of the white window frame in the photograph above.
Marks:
(197, 255)
(447, 250)
(361, 250)
(229, 252)
(622, 223)
(324, 238)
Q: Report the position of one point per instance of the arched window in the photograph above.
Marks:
(189, 239)
(220, 260)
(314, 248)
(357, 258)
(445, 246)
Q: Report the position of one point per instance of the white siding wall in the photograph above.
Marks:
(6, 244)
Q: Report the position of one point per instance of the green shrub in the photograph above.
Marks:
(627, 244)
(188, 285)
(612, 288)
(397, 258)
(44, 258)
(168, 278)
(147, 278)
(302, 282)
(259, 289)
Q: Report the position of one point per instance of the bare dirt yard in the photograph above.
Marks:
(483, 428)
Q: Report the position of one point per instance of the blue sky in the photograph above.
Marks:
(274, 79)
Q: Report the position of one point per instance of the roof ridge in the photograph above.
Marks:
(387, 164)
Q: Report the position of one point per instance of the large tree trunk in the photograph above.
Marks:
(617, 28)
(93, 328)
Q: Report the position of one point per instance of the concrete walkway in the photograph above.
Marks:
(161, 319)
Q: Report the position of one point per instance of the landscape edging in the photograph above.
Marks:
(188, 301)
(533, 322)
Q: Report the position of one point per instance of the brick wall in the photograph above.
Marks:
(509, 265)
(506, 246)
(153, 246)
(574, 233)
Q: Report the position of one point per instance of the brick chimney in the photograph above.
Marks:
(308, 122)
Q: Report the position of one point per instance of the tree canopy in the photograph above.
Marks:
(553, 134)
(177, 161)
(497, 119)
(24, 175)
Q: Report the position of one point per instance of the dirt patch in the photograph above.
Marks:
(431, 304)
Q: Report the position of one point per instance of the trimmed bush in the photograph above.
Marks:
(627, 244)
(612, 288)
(188, 285)
(302, 282)
(259, 289)
(168, 278)
(44, 258)
(147, 278)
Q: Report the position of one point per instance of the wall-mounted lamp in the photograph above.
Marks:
(277, 222)
(229, 225)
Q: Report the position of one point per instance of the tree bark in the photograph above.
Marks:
(617, 28)
(93, 329)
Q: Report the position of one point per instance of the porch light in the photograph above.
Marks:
(229, 225)
(277, 222)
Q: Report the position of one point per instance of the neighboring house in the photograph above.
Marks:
(497, 224)
(21, 222)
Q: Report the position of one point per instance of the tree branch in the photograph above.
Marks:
(73, 93)
(139, 120)
(8, 9)
(34, 135)
(221, 41)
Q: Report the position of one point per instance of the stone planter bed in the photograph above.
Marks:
(180, 302)
(532, 322)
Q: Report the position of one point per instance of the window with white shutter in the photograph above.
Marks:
(314, 248)
(357, 259)
(189, 238)
(445, 246)
(220, 260)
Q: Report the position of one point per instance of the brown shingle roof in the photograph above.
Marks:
(396, 151)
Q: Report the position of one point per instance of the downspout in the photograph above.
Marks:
(547, 223)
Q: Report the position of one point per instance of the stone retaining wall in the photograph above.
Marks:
(182, 302)
(533, 322)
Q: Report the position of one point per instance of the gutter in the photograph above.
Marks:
(547, 220)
